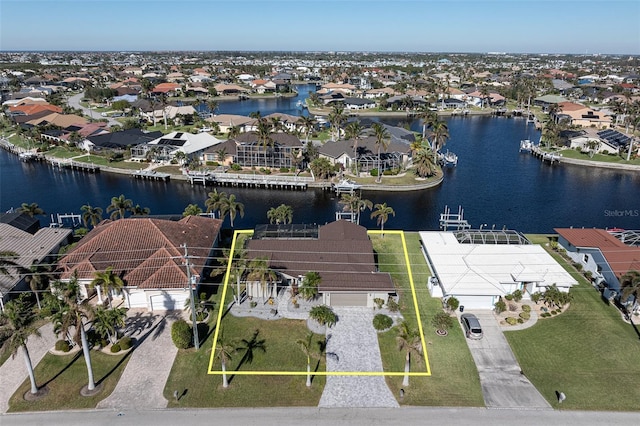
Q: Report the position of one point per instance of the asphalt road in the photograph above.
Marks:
(74, 102)
(322, 416)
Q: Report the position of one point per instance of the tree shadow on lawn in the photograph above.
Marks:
(66, 367)
(249, 346)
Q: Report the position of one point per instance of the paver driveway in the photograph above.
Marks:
(353, 346)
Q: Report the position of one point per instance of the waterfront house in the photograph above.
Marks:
(601, 253)
(477, 267)
(341, 152)
(341, 252)
(580, 115)
(227, 121)
(282, 150)
(171, 113)
(119, 141)
(148, 255)
(166, 147)
(168, 89)
(22, 235)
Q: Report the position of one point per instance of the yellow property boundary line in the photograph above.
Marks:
(320, 373)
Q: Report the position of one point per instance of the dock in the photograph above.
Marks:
(74, 165)
(151, 175)
(260, 181)
(551, 157)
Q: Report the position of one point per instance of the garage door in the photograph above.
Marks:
(348, 299)
(168, 301)
(476, 302)
(137, 299)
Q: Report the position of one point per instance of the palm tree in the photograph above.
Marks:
(260, 271)
(250, 346)
(428, 117)
(264, 137)
(382, 212)
(306, 346)
(382, 141)
(107, 321)
(229, 205)
(354, 204)
(90, 214)
(238, 268)
(308, 123)
(119, 207)
(225, 349)
(31, 209)
(108, 282)
(309, 287)
(72, 316)
(423, 161)
(19, 318)
(213, 106)
(439, 134)
(337, 117)
(39, 279)
(281, 214)
(140, 211)
(408, 340)
(234, 131)
(353, 131)
(630, 285)
(213, 203)
(192, 210)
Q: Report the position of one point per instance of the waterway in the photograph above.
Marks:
(494, 183)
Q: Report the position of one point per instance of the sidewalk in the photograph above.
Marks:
(14, 371)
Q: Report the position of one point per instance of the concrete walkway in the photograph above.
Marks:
(14, 371)
(503, 383)
(352, 346)
(142, 382)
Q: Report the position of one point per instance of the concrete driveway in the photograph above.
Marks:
(503, 384)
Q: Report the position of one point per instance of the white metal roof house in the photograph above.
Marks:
(166, 147)
(479, 274)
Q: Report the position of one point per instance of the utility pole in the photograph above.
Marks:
(191, 284)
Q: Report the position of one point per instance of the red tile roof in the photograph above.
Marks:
(145, 252)
(620, 257)
(30, 109)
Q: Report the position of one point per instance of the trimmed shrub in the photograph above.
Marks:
(373, 172)
(379, 302)
(526, 308)
(62, 346)
(181, 334)
(508, 297)
(511, 321)
(554, 313)
(525, 315)
(520, 321)
(500, 306)
(442, 321)
(453, 303)
(382, 322)
(115, 348)
(517, 295)
(324, 315)
(392, 305)
(284, 169)
(536, 297)
(125, 343)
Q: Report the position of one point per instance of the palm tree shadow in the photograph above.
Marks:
(66, 367)
(249, 346)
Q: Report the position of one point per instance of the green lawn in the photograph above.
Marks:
(199, 389)
(454, 380)
(64, 376)
(572, 153)
(588, 352)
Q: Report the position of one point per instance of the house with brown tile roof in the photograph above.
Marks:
(342, 254)
(147, 254)
(600, 252)
(583, 116)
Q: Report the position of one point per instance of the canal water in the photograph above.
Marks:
(494, 183)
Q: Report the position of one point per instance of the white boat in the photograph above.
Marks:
(526, 145)
(449, 159)
(346, 185)
(301, 105)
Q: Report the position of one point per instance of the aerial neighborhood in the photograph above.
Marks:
(116, 306)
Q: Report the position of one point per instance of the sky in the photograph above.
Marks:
(512, 26)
